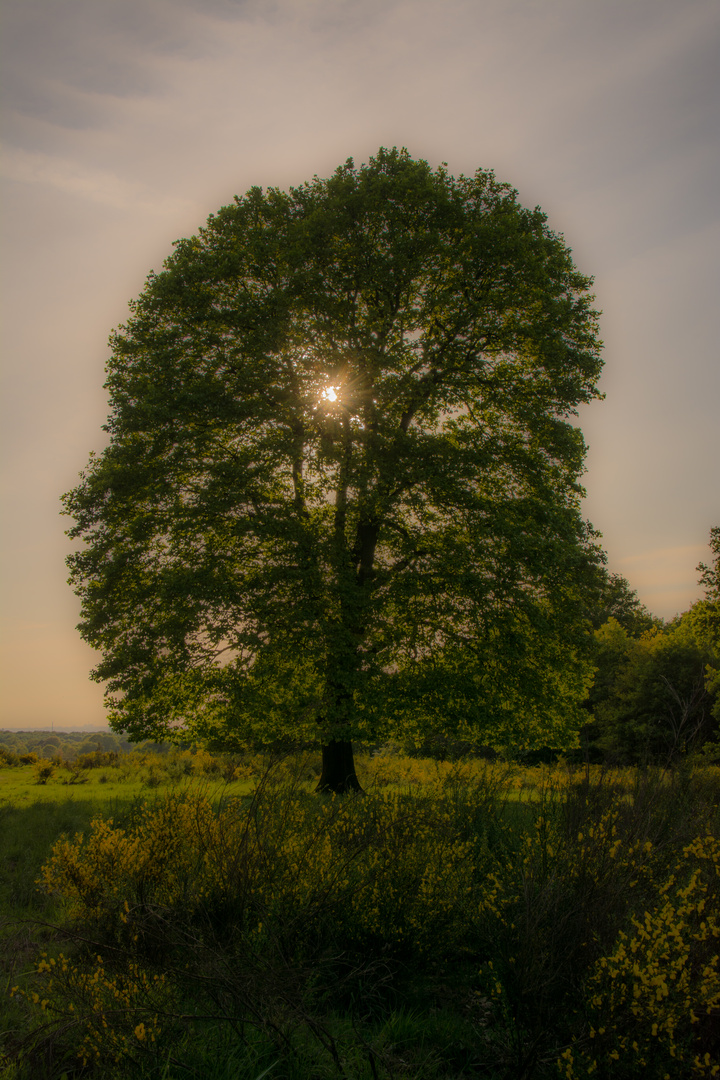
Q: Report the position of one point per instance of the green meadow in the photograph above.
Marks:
(189, 915)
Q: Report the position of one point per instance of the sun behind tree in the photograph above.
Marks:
(341, 496)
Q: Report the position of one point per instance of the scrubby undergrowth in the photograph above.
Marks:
(464, 920)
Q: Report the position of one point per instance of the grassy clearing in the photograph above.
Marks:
(102, 777)
(458, 921)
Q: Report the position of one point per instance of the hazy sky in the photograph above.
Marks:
(127, 122)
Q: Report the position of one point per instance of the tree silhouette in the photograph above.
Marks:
(341, 494)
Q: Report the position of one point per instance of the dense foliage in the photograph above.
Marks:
(656, 692)
(341, 495)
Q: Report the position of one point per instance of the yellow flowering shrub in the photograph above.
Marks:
(390, 867)
(385, 770)
(599, 854)
(655, 999)
(550, 898)
(414, 879)
(114, 1012)
(254, 887)
(168, 856)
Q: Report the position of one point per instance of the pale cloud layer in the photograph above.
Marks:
(126, 123)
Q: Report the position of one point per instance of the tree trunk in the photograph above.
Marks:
(338, 769)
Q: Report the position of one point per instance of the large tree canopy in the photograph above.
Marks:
(341, 494)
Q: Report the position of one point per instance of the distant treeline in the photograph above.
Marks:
(67, 745)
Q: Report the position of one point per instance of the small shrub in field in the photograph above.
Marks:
(28, 759)
(43, 771)
(96, 759)
(154, 777)
(76, 774)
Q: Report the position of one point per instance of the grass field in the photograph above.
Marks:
(218, 920)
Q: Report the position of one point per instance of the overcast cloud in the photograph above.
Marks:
(126, 123)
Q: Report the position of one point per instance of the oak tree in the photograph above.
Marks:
(341, 494)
